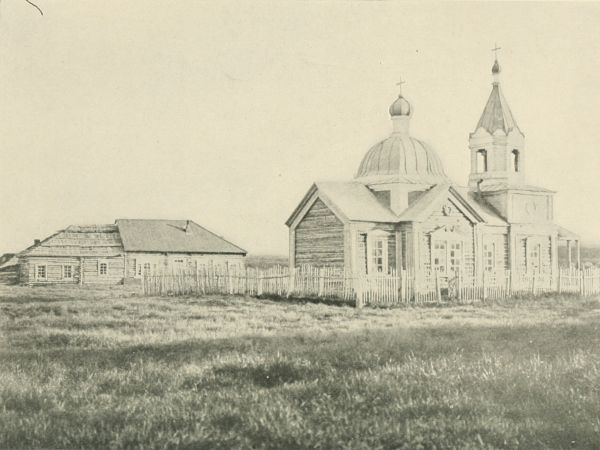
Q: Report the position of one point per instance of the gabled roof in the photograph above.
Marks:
(175, 236)
(434, 198)
(79, 240)
(351, 201)
(497, 114)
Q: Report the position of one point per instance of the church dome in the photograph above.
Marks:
(401, 158)
(400, 107)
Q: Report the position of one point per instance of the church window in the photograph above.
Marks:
(534, 257)
(515, 160)
(482, 161)
(489, 257)
(379, 256)
(439, 256)
(362, 245)
(447, 256)
(454, 256)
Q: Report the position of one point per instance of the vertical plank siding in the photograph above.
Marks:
(402, 287)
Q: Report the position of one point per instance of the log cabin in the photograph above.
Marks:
(124, 252)
(401, 210)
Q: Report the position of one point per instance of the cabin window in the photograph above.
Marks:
(67, 272)
(482, 161)
(379, 256)
(139, 269)
(489, 257)
(102, 268)
(515, 160)
(147, 268)
(40, 272)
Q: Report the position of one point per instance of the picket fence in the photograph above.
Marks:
(394, 288)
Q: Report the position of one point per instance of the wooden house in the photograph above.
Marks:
(401, 211)
(125, 251)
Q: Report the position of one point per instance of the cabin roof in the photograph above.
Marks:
(178, 236)
(79, 240)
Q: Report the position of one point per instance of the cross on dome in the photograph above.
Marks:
(399, 84)
(495, 50)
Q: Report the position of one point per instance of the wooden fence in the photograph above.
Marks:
(394, 288)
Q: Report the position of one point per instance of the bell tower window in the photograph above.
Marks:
(482, 161)
(515, 160)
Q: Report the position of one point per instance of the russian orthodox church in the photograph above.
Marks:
(401, 211)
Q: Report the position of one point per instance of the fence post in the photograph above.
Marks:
(259, 288)
(459, 286)
(484, 287)
(291, 282)
(321, 281)
(581, 283)
(438, 291)
(509, 283)
(358, 288)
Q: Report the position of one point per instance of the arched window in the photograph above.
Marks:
(482, 162)
(515, 159)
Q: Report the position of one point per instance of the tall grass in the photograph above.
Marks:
(117, 371)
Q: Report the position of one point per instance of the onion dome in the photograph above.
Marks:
(496, 68)
(400, 107)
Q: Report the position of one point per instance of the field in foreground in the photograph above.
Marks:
(100, 369)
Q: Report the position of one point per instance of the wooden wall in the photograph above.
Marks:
(168, 262)
(453, 218)
(88, 266)
(522, 250)
(319, 238)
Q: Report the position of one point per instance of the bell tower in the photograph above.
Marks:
(497, 144)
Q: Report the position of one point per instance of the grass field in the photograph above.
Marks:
(102, 369)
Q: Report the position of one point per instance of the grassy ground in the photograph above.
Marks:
(103, 369)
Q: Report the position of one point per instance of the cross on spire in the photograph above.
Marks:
(495, 50)
(399, 84)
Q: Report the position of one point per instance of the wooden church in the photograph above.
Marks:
(401, 211)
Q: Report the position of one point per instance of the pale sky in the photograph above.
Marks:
(225, 113)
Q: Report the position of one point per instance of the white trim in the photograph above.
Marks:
(45, 277)
(62, 270)
(100, 262)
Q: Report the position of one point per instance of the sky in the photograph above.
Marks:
(227, 112)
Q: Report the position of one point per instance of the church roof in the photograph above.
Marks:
(497, 114)
(177, 236)
(403, 159)
(350, 200)
(432, 199)
(493, 187)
